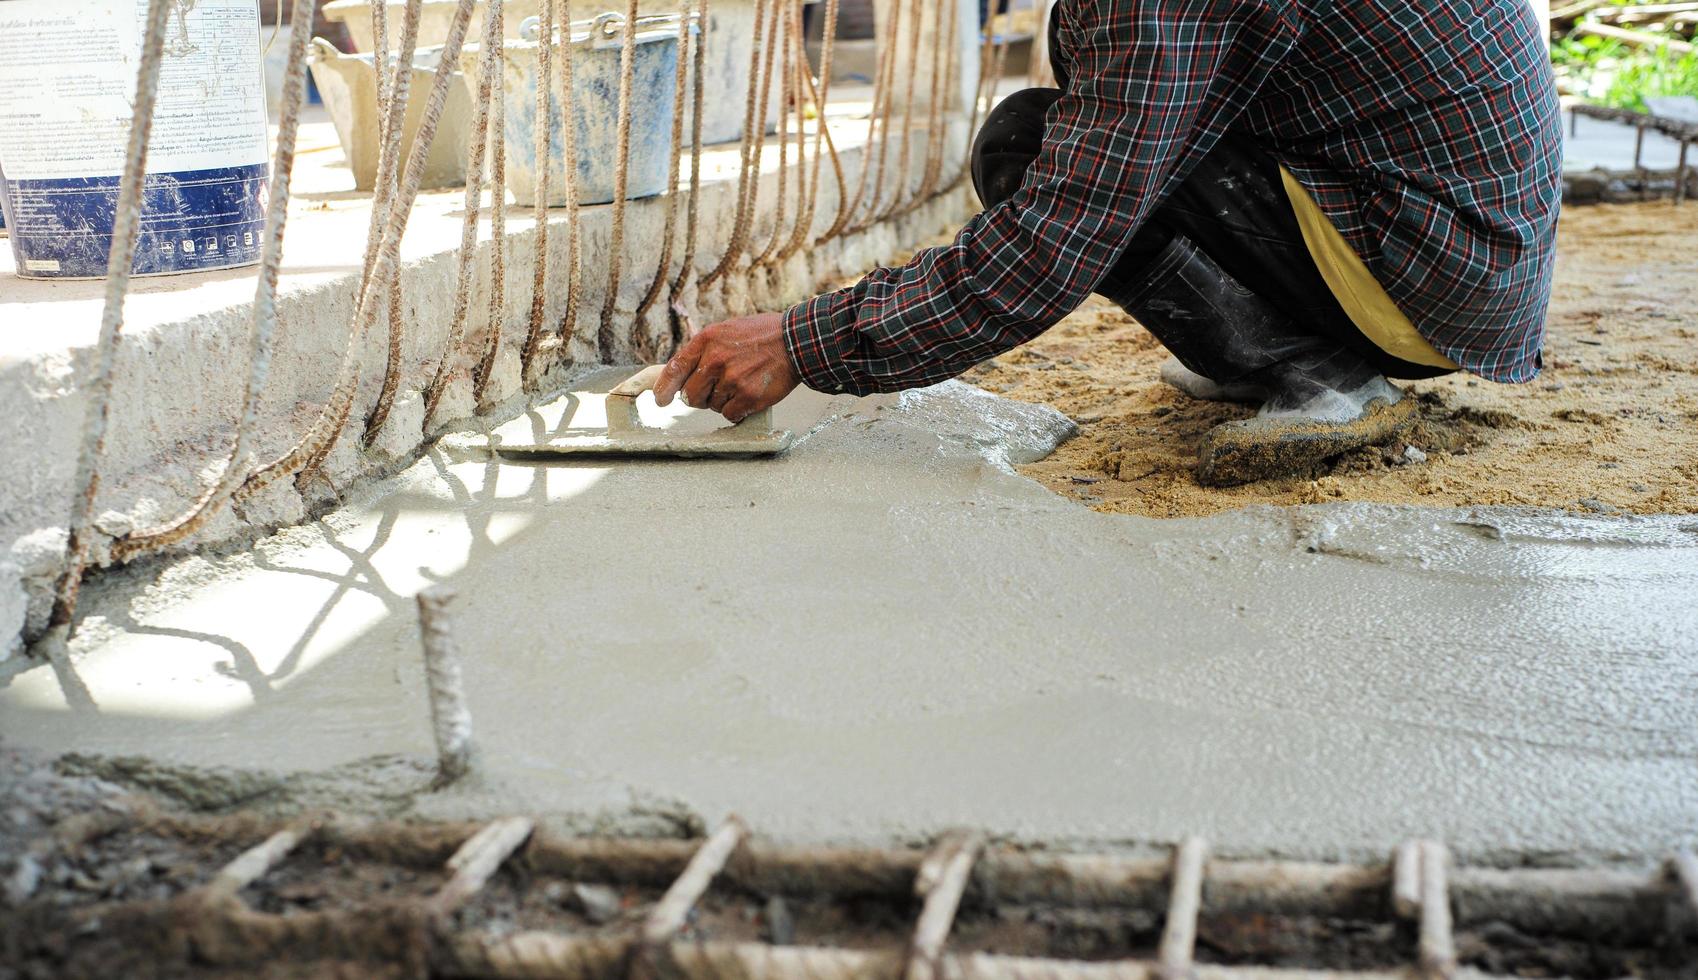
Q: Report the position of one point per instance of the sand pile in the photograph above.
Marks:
(1611, 425)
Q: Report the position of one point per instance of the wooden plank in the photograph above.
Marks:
(1642, 39)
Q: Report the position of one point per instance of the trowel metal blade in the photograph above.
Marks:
(623, 435)
(727, 443)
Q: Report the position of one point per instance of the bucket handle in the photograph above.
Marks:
(606, 26)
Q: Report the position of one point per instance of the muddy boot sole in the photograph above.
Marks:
(1236, 453)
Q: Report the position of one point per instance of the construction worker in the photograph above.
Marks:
(1298, 198)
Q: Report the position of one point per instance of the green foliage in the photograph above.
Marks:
(1607, 72)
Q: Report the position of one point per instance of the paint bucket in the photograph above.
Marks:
(595, 104)
(349, 85)
(68, 71)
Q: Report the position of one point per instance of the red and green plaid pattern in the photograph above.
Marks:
(1427, 130)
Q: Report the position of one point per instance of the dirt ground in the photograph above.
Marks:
(1610, 426)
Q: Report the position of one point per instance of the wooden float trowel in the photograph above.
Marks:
(625, 434)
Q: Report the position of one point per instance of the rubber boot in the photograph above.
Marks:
(1318, 399)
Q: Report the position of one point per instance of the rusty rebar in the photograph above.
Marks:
(749, 150)
(257, 861)
(667, 917)
(543, 150)
(1629, 905)
(790, 15)
(451, 719)
(126, 228)
(240, 460)
(476, 165)
(392, 98)
(569, 151)
(312, 449)
(687, 267)
(940, 883)
(1406, 880)
(663, 267)
(621, 181)
(496, 315)
(479, 859)
(819, 92)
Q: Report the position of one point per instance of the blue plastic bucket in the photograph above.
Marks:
(67, 77)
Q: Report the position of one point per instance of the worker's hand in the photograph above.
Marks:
(736, 368)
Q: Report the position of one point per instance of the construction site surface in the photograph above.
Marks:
(971, 681)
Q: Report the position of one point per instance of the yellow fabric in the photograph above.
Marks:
(1355, 288)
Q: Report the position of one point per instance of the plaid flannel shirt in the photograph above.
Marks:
(1428, 131)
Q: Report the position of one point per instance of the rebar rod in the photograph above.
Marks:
(940, 883)
(451, 719)
(1437, 945)
(496, 316)
(543, 149)
(687, 268)
(621, 181)
(240, 459)
(310, 450)
(1627, 904)
(789, 14)
(476, 164)
(393, 95)
(254, 863)
(749, 150)
(316, 445)
(1406, 880)
(569, 152)
(669, 225)
(479, 859)
(1185, 900)
(669, 914)
(818, 92)
(126, 229)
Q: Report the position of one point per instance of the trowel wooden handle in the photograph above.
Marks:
(644, 380)
(637, 383)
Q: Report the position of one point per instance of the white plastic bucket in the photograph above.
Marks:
(729, 34)
(348, 84)
(595, 110)
(67, 78)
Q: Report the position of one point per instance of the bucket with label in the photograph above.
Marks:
(67, 78)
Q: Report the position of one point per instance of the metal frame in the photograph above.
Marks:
(1418, 886)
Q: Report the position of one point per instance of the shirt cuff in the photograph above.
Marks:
(813, 340)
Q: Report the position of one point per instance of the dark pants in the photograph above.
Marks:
(1233, 207)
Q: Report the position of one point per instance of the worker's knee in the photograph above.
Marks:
(1010, 139)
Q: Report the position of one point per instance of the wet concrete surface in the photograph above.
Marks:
(886, 632)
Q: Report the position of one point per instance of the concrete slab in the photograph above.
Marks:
(182, 366)
(1604, 144)
(886, 632)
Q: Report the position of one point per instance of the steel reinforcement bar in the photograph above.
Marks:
(1418, 886)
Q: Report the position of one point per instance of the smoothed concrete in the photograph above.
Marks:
(887, 632)
(182, 365)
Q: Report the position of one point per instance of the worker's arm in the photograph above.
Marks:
(1154, 84)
